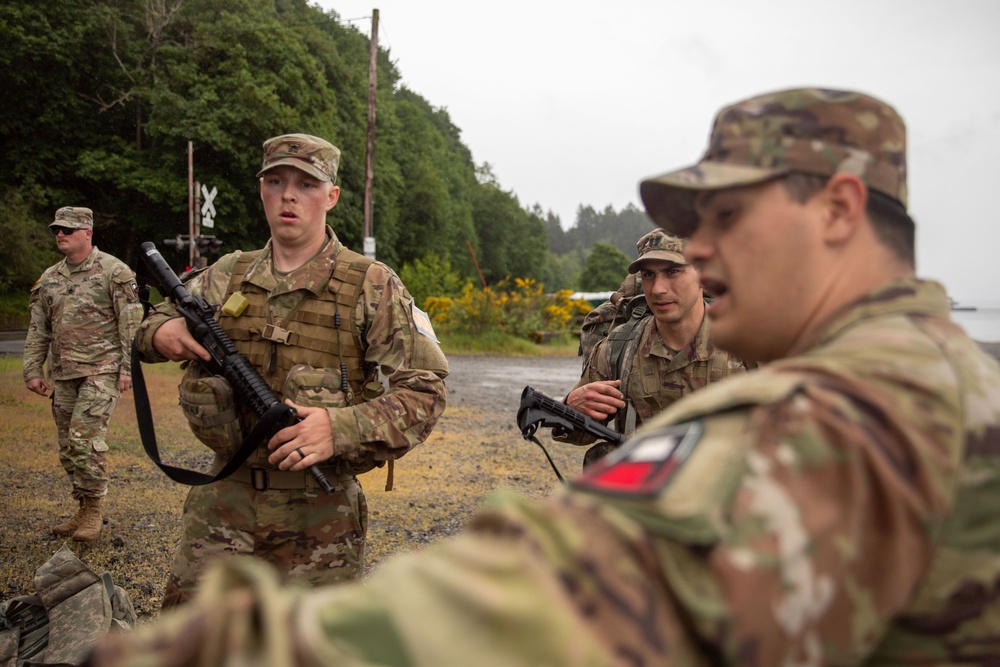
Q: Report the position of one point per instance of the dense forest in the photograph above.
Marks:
(104, 95)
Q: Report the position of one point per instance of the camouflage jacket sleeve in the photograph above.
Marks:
(387, 427)
(128, 312)
(210, 283)
(36, 343)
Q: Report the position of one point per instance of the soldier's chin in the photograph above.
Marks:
(729, 338)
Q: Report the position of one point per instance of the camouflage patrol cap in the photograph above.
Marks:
(810, 131)
(317, 157)
(74, 217)
(657, 244)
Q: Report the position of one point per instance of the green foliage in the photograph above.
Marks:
(605, 268)
(621, 229)
(511, 240)
(562, 272)
(28, 247)
(431, 276)
(110, 92)
(519, 308)
(14, 311)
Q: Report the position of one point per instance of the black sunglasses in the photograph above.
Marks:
(66, 231)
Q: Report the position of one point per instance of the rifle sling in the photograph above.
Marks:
(268, 424)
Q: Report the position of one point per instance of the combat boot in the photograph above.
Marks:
(69, 526)
(91, 522)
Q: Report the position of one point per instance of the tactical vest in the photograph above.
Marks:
(320, 331)
(623, 344)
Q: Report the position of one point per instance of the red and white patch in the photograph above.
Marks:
(643, 465)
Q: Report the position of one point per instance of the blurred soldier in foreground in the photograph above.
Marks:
(84, 313)
(660, 354)
(836, 506)
(317, 321)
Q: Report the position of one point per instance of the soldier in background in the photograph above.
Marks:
(659, 354)
(834, 507)
(318, 322)
(84, 313)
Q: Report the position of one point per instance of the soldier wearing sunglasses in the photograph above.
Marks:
(84, 314)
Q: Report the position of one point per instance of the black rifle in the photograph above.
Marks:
(248, 386)
(537, 410)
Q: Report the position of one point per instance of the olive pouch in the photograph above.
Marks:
(208, 403)
(321, 388)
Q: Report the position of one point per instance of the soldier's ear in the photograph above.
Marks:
(332, 197)
(844, 197)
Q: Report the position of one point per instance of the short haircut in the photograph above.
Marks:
(893, 226)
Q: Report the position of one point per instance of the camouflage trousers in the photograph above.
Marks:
(311, 537)
(82, 408)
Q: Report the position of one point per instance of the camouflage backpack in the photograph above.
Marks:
(608, 315)
(71, 610)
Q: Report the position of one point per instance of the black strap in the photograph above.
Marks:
(531, 436)
(266, 426)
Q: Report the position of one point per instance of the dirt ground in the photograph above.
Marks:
(475, 449)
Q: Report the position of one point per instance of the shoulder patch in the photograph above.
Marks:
(423, 322)
(644, 465)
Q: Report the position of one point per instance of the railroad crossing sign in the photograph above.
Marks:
(207, 207)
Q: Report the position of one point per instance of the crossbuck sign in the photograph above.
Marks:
(207, 207)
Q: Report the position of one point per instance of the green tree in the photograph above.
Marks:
(109, 92)
(511, 240)
(563, 271)
(28, 248)
(431, 276)
(605, 268)
(619, 228)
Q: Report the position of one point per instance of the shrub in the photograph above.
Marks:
(519, 309)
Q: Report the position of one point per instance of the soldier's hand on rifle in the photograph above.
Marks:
(310, 442)
(598, 400)
(39, 386)
(173, 340)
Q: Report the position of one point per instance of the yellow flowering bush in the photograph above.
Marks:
(516, 307)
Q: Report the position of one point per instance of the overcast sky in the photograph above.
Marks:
(574, 102)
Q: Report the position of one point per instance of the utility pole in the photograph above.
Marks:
(369, 243)
(191, 204)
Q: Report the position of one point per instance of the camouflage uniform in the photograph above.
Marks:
(313, 537)
(83, 318)
(658, 375)
(835, 507)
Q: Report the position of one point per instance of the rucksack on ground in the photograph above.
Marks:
(71, 610)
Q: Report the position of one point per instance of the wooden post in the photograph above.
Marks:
(369, 242)
(191, 204)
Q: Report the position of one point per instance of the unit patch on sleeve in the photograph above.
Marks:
(643, 465)
(423, 322)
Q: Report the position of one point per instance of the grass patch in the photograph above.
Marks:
(499, 344)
